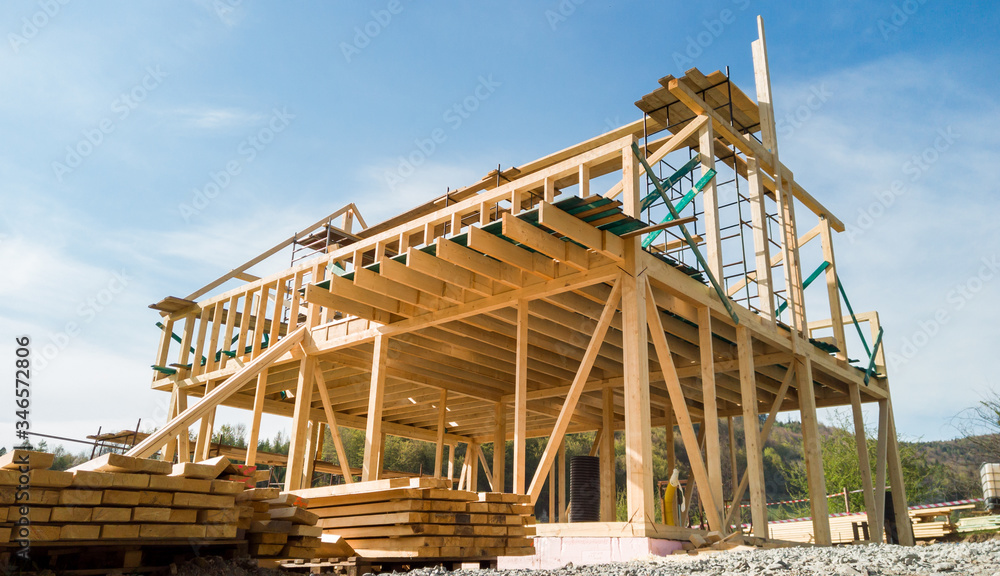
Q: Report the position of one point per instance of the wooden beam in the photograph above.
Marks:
(713, 456)
(230, 386)
(258, 410)
(813, 453)
(761, 241)
(521, 397)
(832, 290)
(754, 447)
(660, 226)
(684, 422)
(500, 447)
(300, 424)
(373, 430)
(332, 424)
(904, 528)
(576, 390)
(607, 456)
(442, 421)
(864, 463)
(710, 200)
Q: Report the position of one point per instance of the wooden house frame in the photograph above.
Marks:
(526, 305)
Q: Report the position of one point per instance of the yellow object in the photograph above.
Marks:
(670, 499)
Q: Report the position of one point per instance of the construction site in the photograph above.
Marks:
(653, 277)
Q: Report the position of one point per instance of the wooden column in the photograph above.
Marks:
(881, 455)
(472, 457)
(204, 442)
(899, 502)
(500, 448)
(552, 495)
(606, 453)
(584, 177)
(258, 410)
(376, 395)
(451, 463)
(864, 462)
(751, 432)
(183, 439)
(638, 442)
(713, 456)
(761, 242)
(713, 237)
(439, 447)
(312, 446)
(561, 480)
(668, 436)
(813, 453)
(521, 398)
(300, 422)
(833, 292)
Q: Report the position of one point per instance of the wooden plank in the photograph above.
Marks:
(23, 460)
(119, 463)
(600, 241)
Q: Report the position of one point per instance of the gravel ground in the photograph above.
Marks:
(974, 559)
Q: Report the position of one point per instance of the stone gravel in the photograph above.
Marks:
(952, 559)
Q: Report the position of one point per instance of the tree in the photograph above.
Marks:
(981, 423)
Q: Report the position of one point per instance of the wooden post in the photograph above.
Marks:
(552, 495)
(500, 448)
(751, 432)
(833, 292)
(300, 421)
(761, 242)
(204, 441)
(864, 463)
(561, 480)
(813, 453)
(311, 450)
(472, 457)
(584, 177)
(439, 447)
(668, 436)
(713, 456)
(638, 442)
(376, 394)
(881, 451)
(521, 398)
(735, 475)
(713, 237)
(183, 439)
(606, 453)
(904, 527)
(258, 410)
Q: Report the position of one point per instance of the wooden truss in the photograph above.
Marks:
(525, 306)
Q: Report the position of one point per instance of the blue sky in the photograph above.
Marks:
(117, 115)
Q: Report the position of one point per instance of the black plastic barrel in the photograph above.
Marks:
(585, 489)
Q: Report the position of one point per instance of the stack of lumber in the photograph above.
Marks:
(931, 522)
(977, 523)
(420, 518)
(115, 498)
(280, 526)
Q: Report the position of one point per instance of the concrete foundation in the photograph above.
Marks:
(556, 552)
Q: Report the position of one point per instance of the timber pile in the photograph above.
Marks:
(116, 499)
(279, 525)
(928, 524)
(419, 518)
